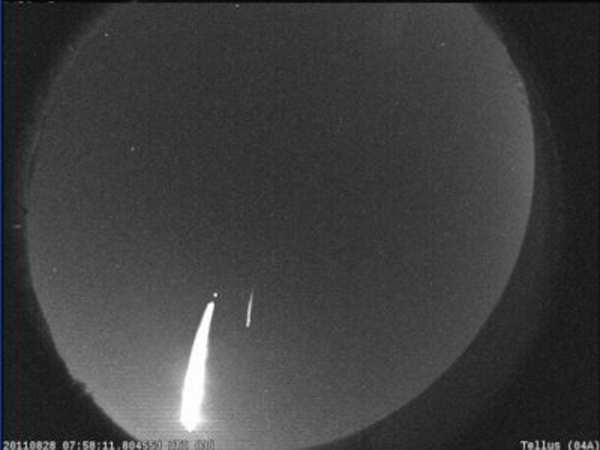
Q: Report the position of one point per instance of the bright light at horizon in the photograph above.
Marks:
(195, 378)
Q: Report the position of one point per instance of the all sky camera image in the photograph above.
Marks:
(273, 225)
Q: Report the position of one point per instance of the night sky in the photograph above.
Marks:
(366, 170)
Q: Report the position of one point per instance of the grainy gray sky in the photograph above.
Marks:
(367, 170)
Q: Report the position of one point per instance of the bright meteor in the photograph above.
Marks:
(249, 311)
(193, 386)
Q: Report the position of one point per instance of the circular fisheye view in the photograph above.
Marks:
(271, 226)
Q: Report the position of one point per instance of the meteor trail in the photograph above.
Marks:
(249, 311)
(193, 386)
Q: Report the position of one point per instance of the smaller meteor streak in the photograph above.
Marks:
(249, 311)
(193, 386)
